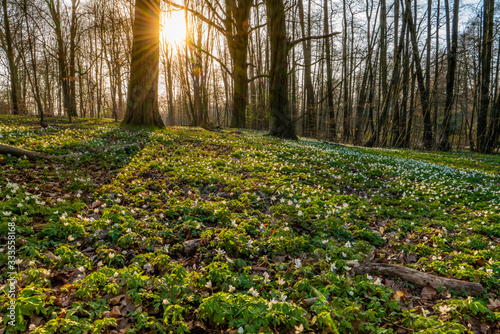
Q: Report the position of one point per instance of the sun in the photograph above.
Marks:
(173, 27)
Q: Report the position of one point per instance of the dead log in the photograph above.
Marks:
(19, 152)
(417, 277)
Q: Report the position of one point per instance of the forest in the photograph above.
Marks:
(401, 74)
(241, 167)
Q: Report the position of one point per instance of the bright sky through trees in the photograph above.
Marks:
(173, 27)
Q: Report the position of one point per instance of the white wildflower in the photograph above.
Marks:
(253, 292)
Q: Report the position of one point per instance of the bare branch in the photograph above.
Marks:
(198, 15)
(300, 40)
(257, 77)
(257, 27)
(221, 63)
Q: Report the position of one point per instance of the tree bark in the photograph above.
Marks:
(444, 143)
(310, 119)
(281, 124)
(142, 99)
(55, 12)
(418, 277)
(72, 57)
(332, 126)
(237, 28)
(487, 42)
(345, 84)
(15, 88)
(423, 89)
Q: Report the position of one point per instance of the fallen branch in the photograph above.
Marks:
(417, 277)
(19, 152)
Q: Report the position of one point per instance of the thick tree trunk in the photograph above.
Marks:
(281, 124)
(142, 99)
(240, 86)
(487, 42)
(444, 143)
(237, 29)
(15, 88)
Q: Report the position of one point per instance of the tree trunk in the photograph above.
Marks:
(15, 88)
(281, 124)
(238, 15)
(444, 143)
(494, 126)
(423, 89)
(482, 116)
(310, 119)
(332, 126)
(55, 12)
(406, 82)
(142, 99)
(72, 57)
(345, 84)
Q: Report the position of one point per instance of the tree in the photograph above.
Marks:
(482, 116)
(332, 125)
(444, 143)
(281, 124)
(310, 119)
(423, 89)
(234, 25)
(55, 13)
(238, 14)
(7, 44)
(142, 99)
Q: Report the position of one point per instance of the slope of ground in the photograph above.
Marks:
(240, 233)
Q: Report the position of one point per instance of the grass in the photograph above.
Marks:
(234, 232)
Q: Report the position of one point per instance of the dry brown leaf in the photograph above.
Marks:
(428, 293)
(398, 295)
(481, 262)
(115, 312)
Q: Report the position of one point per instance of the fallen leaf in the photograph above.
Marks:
(115, 312)
(481, 262)
(95, 204)
(428, 293)
(398, 295)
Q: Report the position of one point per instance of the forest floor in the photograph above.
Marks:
(237, 232)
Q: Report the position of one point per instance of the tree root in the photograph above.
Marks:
(19, 152)
(417, 277)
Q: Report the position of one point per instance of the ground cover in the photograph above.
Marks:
(237, 232)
